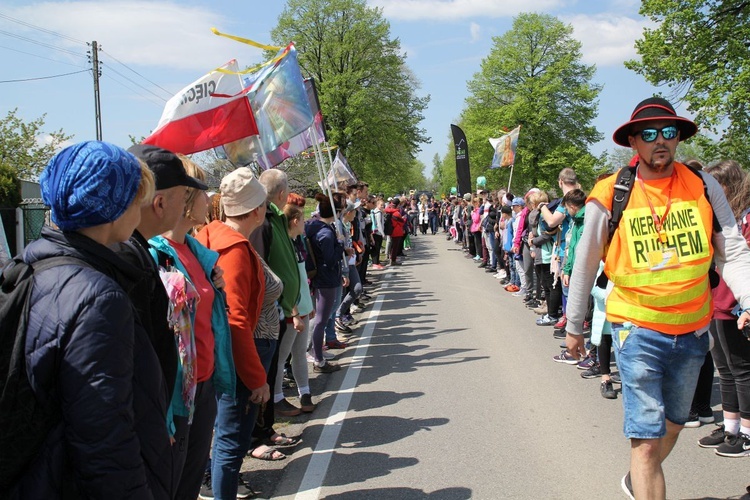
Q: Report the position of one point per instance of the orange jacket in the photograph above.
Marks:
(674, 300)
(245, 288)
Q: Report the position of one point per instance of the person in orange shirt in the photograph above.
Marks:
(675, 223)
(243, 199)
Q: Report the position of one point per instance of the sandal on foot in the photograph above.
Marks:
(281, 439)
(268, 453)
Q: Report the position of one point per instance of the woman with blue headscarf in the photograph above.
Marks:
(85, 350)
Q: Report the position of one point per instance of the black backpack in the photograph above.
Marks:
(388, 223)
(25, 421)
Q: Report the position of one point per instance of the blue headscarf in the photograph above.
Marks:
(89, 184)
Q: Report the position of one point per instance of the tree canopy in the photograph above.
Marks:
(700, 50)
(25, 149)
(366, 91)
(533, 77)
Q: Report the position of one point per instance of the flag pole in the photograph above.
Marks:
(511, 177)
(258, 141)
(323, 177)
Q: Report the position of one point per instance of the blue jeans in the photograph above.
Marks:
(490, 235)
(325, 301)
(353, 291)
(659, 373)
(330, 324)
(233, 431)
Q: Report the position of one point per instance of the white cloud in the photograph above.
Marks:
(476, 31)
(160, 34)
(46, 139)
(607, 40)
(452, 10)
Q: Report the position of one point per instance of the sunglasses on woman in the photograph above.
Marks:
(650, 134)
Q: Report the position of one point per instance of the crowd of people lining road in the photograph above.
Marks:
(648, 262)
(166, 321)
(165, 338)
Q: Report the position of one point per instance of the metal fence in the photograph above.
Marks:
(35, 217)
(24, 224)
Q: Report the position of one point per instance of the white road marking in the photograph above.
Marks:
(312, 482)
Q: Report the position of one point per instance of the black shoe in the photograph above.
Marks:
(483, 264)
(615, 378)
(244, 490)
(735, 446)
(504, 281)
(700, 417)
(326, 368)
(713, 440)
(286, 409)
(341, 327)
(206, 492)
(490, 270)
(608, 392)
(593, 372)
(306, 404)
(560, 334)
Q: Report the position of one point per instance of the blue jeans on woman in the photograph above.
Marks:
(353, 291)
(233, 431)
(325, 301)
(432, 219)
(330, 324)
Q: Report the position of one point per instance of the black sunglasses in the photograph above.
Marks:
(650, 134)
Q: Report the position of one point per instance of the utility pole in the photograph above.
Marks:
(94, 58)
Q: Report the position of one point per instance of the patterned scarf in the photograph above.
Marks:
(183, 300)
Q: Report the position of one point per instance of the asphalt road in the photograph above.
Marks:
(450, 392)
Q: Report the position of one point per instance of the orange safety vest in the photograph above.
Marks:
(676, 300)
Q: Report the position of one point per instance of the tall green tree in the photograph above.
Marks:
(700, 50)
(366, 91)
(533, 77)
(25, 149)
(24, 146)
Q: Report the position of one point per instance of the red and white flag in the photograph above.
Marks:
(209, 112)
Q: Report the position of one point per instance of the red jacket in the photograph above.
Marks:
(245, 288)
(397, 220)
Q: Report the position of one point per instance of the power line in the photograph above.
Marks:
(40, 57)
(44, 77)
(106, 75)
(134, 82)
(44, 30)
(134, 71)
(31, 40)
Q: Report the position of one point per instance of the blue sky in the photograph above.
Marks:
(167, 45)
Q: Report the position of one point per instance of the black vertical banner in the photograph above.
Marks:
(463, 176)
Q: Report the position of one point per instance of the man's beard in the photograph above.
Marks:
(660, 164)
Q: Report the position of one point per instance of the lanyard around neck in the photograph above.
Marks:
(658, 221)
